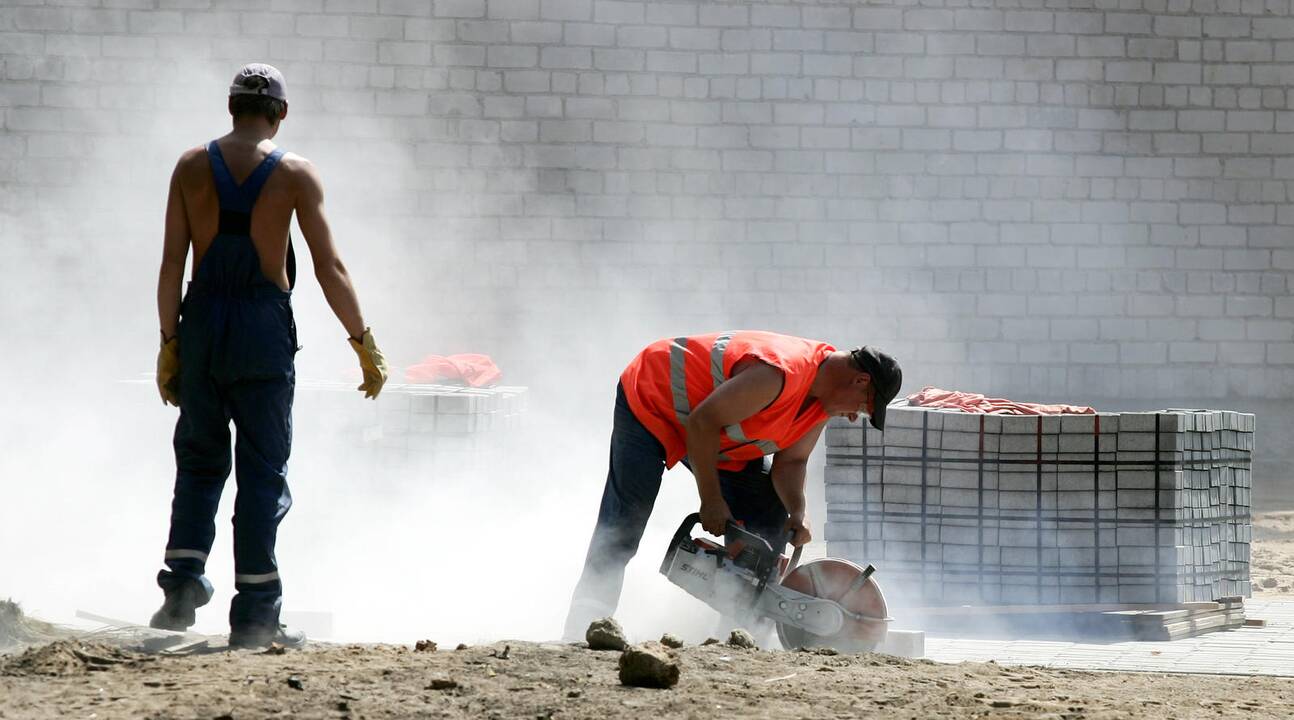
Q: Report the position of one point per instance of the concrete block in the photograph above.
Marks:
(1149, 422)
(904, 643)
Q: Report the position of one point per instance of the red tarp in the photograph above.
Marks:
(933, 397)
(466, 369)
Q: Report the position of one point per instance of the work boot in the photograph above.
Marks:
(178, 611)
(262, 637)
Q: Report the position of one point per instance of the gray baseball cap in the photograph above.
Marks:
(260, 79)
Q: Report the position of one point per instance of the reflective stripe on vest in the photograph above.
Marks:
(767, 446)
(678, 378)
(678, 387)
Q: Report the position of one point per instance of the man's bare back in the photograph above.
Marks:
(257, 104)
(292, 184)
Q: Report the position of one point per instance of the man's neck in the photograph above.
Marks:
(826, 375)
(251, 131)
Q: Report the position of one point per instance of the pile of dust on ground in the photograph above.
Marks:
(68, 657)
(18, 631)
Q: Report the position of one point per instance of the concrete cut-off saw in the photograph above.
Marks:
(825, 602)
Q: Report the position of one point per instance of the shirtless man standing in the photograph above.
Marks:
(227, 350)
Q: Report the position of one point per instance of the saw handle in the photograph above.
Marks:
(747, 539)
(731, 533)
(795, 556)
(683, 533)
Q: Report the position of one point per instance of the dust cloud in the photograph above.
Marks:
(377, 547)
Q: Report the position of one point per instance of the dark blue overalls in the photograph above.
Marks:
(237, 344)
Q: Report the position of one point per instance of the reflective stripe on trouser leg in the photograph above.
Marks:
(256, 579)
(262, 414)
(202, 464)
(181, 554)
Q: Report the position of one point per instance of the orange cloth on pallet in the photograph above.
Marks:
(466, 369)
(933, 397)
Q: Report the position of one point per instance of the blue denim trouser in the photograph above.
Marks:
(633, 481)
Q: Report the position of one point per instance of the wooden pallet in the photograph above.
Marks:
(1099, 622)
(143, 638)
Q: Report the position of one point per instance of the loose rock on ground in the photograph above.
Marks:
(742, 639)
(671, 640)
(606, 634)
(649, 665)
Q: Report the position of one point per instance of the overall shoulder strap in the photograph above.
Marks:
(251, 188)
(230, 197)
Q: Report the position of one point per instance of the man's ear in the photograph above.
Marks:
(863, 378)
(285, 111)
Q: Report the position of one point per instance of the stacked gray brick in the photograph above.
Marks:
(956, 508)
(451, 428)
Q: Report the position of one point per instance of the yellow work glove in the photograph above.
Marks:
(168, 370)
(371, 362)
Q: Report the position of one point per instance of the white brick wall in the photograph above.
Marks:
(1010, 196)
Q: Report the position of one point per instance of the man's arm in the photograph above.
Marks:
(175, 251)
(789, 465)
(750, 390)
(329, 270)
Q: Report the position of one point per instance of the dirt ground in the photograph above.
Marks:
(557, 681)
(70, 678)
(1272, 561)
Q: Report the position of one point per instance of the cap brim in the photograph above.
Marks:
(877, 418)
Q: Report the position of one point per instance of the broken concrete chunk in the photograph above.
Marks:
(606, 634)
(742, 639)
(649, 665)
(671, 641)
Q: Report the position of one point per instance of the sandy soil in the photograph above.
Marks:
(69, 678)
(1272, 561)
(556, 681)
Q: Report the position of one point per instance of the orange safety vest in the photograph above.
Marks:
(672, 376)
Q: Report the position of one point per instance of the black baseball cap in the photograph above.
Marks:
(887, 377)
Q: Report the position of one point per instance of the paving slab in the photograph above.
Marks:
(1243, 651)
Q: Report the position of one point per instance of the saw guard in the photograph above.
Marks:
(847, 584)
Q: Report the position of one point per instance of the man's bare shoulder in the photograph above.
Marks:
(302, 174)
(300, 170)
(297, 164)
(193, 159)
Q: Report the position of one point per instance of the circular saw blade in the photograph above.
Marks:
(841, 581)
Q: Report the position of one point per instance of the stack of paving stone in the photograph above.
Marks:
(445, 422)
(957, 508)
(440, 424)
